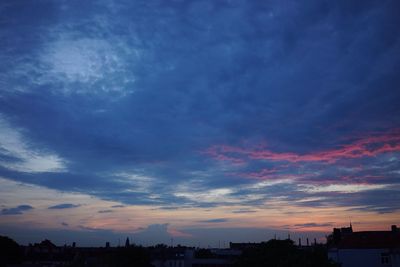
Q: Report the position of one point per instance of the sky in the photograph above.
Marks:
(198, 122)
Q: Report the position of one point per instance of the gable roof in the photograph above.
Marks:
(370, 239)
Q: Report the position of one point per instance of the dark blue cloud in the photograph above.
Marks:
(305, 225)
(218, 220)
(105, 211)
(117, 206)
(244, 211)
(16, 210)
(63, 206)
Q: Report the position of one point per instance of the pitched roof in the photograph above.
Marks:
(370, 239)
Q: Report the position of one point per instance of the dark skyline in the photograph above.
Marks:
(201, 121)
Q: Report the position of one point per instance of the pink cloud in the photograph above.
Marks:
(369, 146)
(215, 153)
(177, 233)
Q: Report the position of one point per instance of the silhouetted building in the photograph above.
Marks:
(190, 257)
(127, 244)
(243, 246)
(367, 248)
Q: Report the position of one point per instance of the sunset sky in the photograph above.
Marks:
(199, 121)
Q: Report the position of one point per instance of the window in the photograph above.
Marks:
(385, 259)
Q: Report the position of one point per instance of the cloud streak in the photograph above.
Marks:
(218, 220)
(63, 206)
(16, 210)
(16, 153)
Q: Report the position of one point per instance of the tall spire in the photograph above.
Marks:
(127, 244)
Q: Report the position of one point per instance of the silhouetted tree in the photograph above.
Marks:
(10, 251)
(132, 256)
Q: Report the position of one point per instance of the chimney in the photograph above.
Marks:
(307, 242)
(299, 242)
(315, 241)
(337, 235)
(394, 228)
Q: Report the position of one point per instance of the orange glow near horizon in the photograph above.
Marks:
(280, 216)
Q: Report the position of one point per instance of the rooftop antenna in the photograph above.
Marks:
(351, 226)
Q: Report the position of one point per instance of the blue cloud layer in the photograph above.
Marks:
(128, 95)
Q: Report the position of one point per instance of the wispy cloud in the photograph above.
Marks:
(18, 154)
(313, 225)
(346, 188)
(218, 220)
(88, 61)
(244, 211)
(365, 147)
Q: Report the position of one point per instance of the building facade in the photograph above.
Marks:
(367, 248)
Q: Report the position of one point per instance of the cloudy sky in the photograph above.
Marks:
(201, 121)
